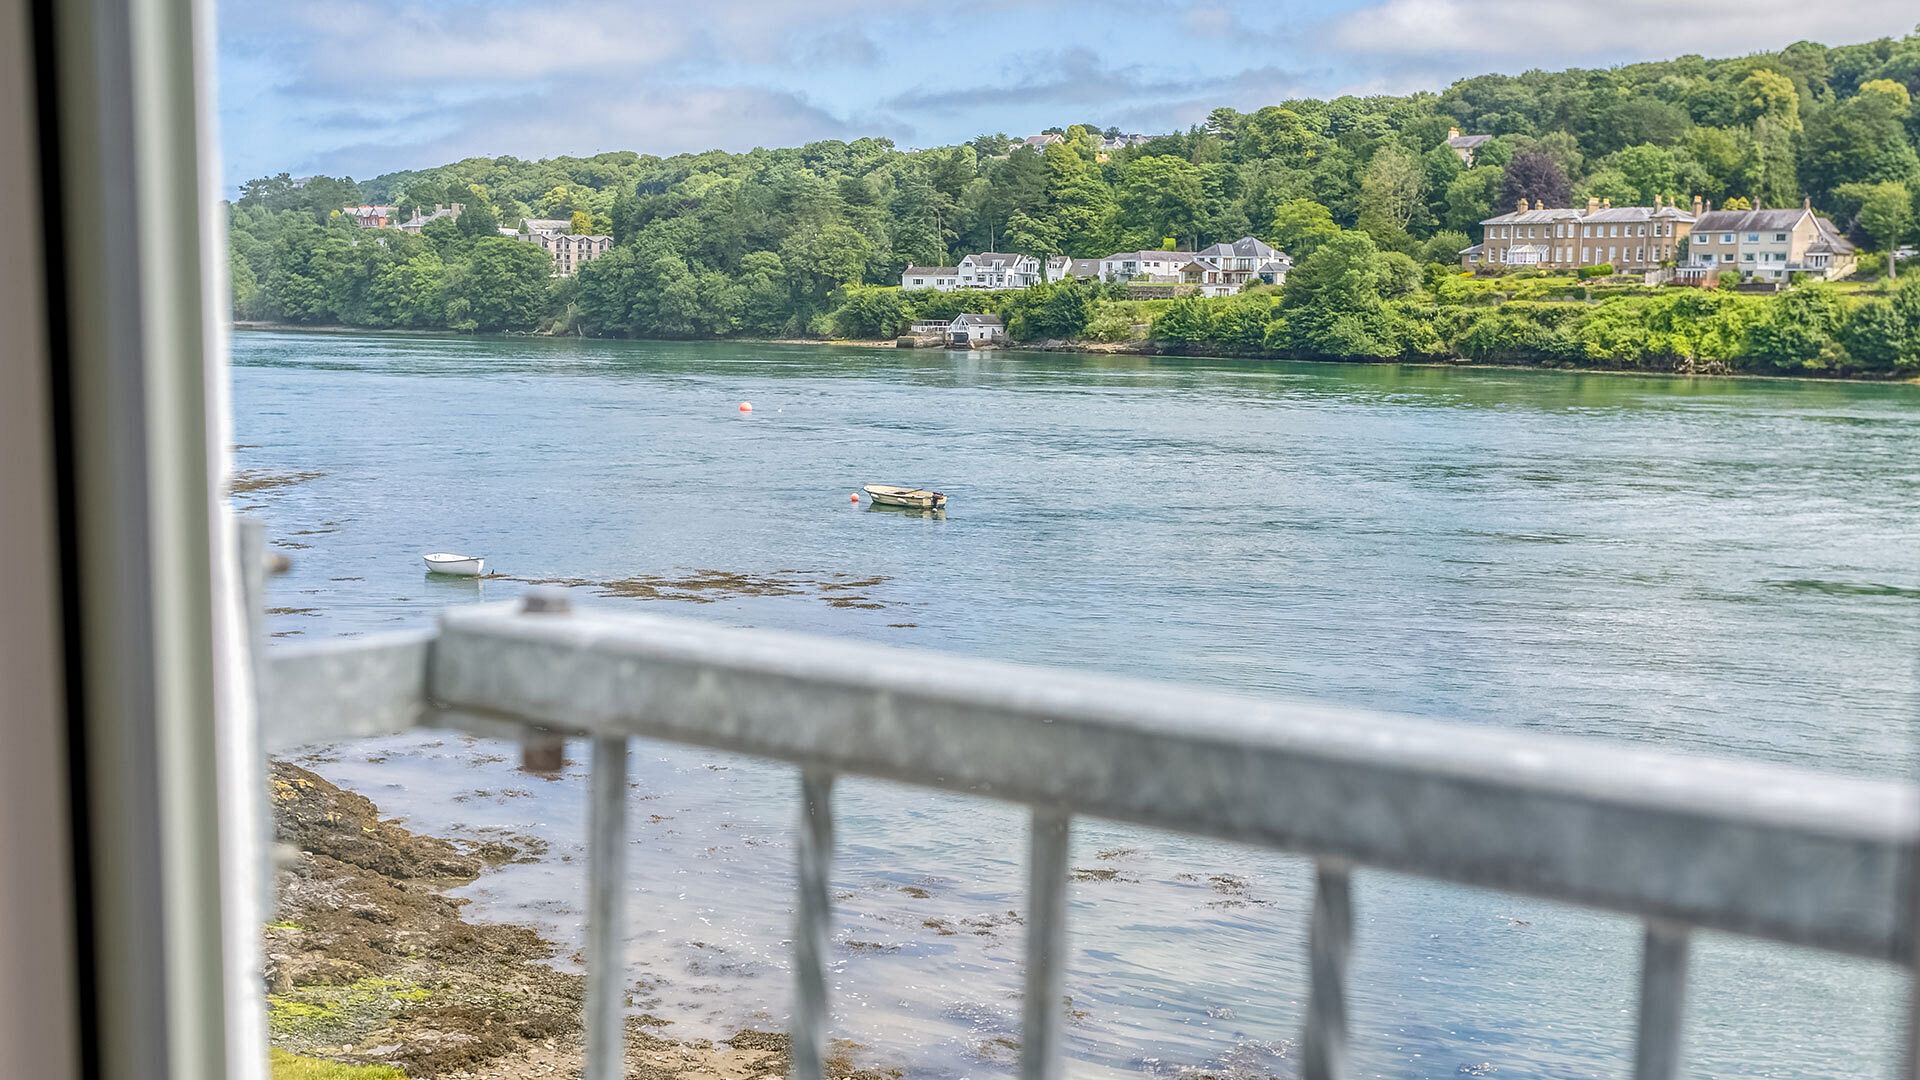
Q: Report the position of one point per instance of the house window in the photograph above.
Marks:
(1749, 256)
(1586, 255)
(1726, 238)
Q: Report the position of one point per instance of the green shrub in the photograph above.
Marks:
(1596, 271)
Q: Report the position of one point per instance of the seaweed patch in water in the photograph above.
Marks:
(710, 586)
(251, 480)
(1844, 588)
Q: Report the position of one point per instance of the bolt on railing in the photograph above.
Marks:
(1678, 842)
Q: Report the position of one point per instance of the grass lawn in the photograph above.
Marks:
(294, 1067)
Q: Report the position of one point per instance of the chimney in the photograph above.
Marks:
(1606, 204)
(1697, 208)
(1593, 204)
(1523, 206)
(1806, 203)
(1753, 201)
(1658, 202)
(1453, 133)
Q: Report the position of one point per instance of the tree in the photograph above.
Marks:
(1885, 214)
(1444, 247)
(1472, 196)
(1390, 192)
(501, 285)
(1302, 225)
(580, 223)
(1535, 175)
(1860, 140)
(477, 220)
(1160, 197)
(1769, 95)
(870, 312)
(1331, 305)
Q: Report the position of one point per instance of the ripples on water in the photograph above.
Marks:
(1711, 565)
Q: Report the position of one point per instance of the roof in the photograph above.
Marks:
(1611, 214)
(1533, 217)
(1474, 250)
(1831, 241)
(934, 271)
(1750, 220)
(1246, 246)
(1151, 256)
(1638, 213)
(1084, 268)
(992, 258)
(1466, 142)
(971, 319)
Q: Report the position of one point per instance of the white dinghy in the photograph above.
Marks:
(444, 562)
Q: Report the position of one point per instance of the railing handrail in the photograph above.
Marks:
(1680, 841)
(1801, 856)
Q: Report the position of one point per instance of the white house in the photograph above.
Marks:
(938, 278)
(1246, 260)
(1059, 268)
(999, 270)
(970, 331)
(1158, 267)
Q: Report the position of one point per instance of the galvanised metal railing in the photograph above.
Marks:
(1682, 843)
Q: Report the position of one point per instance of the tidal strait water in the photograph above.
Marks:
(1712, 566)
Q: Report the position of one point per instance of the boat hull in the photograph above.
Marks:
(912, 498)
(455, 565)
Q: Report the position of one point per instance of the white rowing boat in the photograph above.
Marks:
(443, 562)
(917, 498)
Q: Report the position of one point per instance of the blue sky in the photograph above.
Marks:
(360, 88)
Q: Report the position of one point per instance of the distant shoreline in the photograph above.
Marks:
(1130, 348)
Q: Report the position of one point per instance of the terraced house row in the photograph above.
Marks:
(1631, 239)
(1220, 270)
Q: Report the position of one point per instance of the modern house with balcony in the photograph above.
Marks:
(999, 270)
(1768, 245)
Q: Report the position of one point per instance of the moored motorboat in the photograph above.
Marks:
(917, 498)
(444, 562)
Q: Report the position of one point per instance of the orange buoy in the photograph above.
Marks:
(746, 406)
(854, 498)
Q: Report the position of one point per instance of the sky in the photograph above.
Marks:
(348, 87)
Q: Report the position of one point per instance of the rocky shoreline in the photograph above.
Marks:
(370, 963)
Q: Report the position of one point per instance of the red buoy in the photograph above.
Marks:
(854, 498)
(746, 406)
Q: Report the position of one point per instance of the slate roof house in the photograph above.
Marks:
(1629, 238)
(999, 270)
(1768, 245)
(970, 330)
(1465, 146)
(938, 278)
(420, 221)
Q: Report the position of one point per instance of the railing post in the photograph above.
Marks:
(1663, 1000)
(811, 924)
(1324, 1048)
(606, 911)
(1041, 1051)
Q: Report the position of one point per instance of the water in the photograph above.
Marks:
(1720, 566)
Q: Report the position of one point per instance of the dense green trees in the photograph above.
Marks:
(802, 240)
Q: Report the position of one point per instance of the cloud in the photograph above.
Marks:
(1545, 34)
(1080, 78)
(666, 121)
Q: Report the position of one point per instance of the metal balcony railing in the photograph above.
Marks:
(1680, 842)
